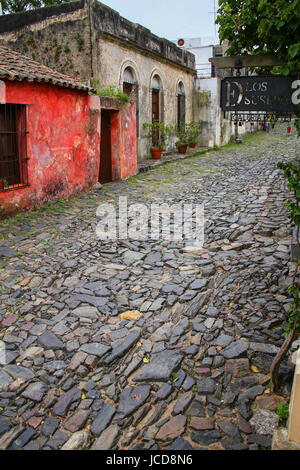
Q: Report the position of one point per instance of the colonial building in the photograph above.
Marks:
(52, 142)
(88, 40)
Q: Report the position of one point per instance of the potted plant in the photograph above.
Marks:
(183, 135)
(159, 134)
(181, 147)
(3, 183)
(193, 132)
(183, 139)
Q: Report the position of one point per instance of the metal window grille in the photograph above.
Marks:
(13, 147)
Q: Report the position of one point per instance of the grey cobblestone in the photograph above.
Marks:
(184, 370)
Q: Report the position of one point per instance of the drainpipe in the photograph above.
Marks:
(89, 6)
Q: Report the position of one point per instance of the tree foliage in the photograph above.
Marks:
(17, 6)
(262, 26)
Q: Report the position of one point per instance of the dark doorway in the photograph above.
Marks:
(105, 173)
(181, 110)
(155, 105)
(127, 88)
(155, 113)
(180, 105)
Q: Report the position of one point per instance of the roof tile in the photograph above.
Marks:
(15, 66)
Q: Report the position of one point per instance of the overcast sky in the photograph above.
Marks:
(171, 19)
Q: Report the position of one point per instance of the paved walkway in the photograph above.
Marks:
(190, 368)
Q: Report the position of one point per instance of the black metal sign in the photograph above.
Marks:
(257, 93)
(261, 117)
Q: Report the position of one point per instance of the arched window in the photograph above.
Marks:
(130, 84)
(156, 89)
(180, 104)
(128, 81)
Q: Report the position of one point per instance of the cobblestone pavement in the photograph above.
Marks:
(189, 368)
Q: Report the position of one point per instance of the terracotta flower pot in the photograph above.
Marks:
(156, 153)
(192, 145)
(182, 149)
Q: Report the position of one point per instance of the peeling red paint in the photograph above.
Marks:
(123, 139)
(63, 143)
(128, 153)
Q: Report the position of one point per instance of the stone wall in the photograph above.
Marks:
(62, 37)
(87, 39)
(61, 42)
(217, 126)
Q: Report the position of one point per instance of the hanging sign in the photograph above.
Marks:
(257, 93)
(261, 116)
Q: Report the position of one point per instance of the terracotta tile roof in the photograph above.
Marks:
(15, 66)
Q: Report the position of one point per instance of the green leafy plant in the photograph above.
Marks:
(110, 91)
(182, 135)
(193, 131)
(283, 412)
(159, 133)
(3, 183)
(15, 6)
(249, 26)
(292, 174)
(259, 27)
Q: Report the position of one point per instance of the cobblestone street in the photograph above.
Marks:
(189, 368)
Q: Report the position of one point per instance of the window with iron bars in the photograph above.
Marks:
(13, 147)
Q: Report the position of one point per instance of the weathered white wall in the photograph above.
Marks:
(203, 49)
(217, 127)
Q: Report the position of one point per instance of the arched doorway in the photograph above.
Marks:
(131, 88)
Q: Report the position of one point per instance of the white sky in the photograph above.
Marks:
(170, 19)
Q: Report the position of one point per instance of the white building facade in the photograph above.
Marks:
(218, 127)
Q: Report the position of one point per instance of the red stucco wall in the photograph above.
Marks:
(63, 142)
(123, 139)
(128, 142)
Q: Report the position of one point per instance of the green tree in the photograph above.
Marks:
(262, 26)
(17, 6)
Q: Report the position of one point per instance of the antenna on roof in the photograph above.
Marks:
(215, 16)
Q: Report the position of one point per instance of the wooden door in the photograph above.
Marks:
(155, 113)
(155, 105)
(181, 109)
(105, 175)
